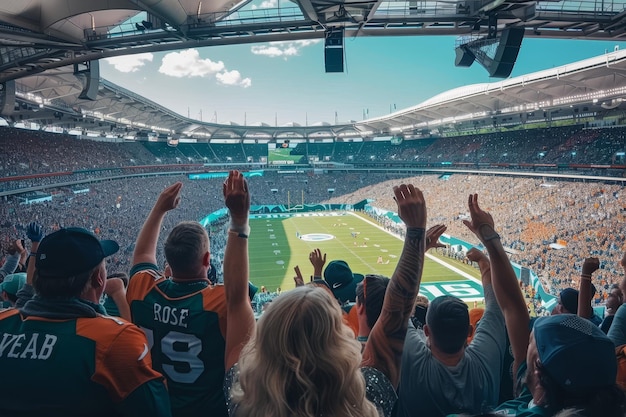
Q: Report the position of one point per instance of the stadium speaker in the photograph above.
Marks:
(506, 53)
(464, 57)
(333, 50)
(7, 98)
(89, 73)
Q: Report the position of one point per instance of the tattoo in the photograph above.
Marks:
(386, 342)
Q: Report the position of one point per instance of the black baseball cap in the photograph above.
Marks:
(342, 281)
(71, 251)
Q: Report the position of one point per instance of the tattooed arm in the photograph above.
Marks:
(383, 350)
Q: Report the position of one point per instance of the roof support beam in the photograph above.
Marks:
(170, 11)
(308, 10)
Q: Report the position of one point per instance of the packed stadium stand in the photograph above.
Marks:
(545, 153)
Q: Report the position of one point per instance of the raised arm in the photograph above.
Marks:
(146, 245)
(484, 265)
(383, 350)
(584, 289)
(318, 260)
(503, 279)
(23, 253)
(35, 233)
(240, 322)
(114, 288)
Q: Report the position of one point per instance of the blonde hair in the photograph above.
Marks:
(303, 361)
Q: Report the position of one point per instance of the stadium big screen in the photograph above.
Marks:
(283, 153)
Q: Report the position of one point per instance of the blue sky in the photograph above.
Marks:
(285, 82)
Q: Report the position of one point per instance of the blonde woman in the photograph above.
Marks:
(302, 360)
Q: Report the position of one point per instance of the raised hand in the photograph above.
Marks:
(298, 278)
(481, 223)
(590, 266)
(237, 197)
(318, 260)
(432, 236)
(34, 231)
(475, 255)
(411, 205)
(169, 198)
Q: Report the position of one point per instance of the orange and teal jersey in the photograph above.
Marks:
(185, 324)
(91, 366)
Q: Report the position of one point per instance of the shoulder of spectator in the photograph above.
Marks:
(414, 335)
(24, 295)
(143, 267)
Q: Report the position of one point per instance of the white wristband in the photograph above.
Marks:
(240, 228)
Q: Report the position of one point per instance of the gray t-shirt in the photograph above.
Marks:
(430, 388)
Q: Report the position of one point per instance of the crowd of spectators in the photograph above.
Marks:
(344, 344)
(549, 226)
(588, 219)
(65, 153)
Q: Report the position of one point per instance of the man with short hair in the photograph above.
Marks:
(440, 373)
(64, 356)
(184, 316)
(370, 294)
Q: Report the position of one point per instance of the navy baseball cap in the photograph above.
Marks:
(575, 352)
(70, 252)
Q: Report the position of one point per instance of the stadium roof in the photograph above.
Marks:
(596, 84)
(590, 87)
(39, 35)
(51, 48)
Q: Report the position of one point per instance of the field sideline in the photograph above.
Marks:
(279, 242)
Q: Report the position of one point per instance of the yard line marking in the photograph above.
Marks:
(428, 255)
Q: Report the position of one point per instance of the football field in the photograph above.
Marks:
(279, 242)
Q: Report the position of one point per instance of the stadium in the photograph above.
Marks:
(545, 151)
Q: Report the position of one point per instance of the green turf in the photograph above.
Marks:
(282, 154)
(275, 250)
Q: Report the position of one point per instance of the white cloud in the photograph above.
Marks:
(130, 63)
(188, 63)
(233, 78)
(283, 49)
(266, 4)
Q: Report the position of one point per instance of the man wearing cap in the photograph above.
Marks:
(568, 304)
(64, 355)
(10, 286)
(566, 362)
(570, 363)
(342, 281)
